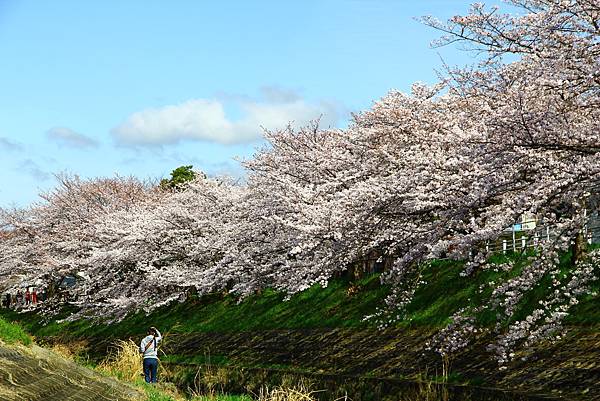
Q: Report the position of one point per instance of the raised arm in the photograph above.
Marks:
(158, 335)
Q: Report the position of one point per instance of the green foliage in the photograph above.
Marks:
(179, 176)
(12, 333)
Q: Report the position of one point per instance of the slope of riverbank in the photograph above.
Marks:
(322, 331)
(29, 372)
(34, 373)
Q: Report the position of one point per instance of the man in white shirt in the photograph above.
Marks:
(149, 347)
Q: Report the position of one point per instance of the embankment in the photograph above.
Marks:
(374, 364)
(35, 374)
(320, 334)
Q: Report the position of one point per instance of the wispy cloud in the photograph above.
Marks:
(228, 168)
(67, 137)
(10, 146)
(33, 169)
(208, 120)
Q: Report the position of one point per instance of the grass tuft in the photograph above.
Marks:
(12, 333)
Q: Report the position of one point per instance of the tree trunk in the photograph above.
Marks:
(578, 249)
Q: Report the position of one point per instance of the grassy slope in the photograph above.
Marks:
(443, 293)
(316, 307)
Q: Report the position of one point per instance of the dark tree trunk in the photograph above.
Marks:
(578, 249)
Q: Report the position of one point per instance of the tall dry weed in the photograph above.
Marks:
(125, 361)
(428, 391)
(209, 382)
(299, 392)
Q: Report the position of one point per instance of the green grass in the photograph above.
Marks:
(12, 333)
(196, 359)
(313, 308)
(162, 392)
(154, 392)
(155, 395)
(166, 391)
(443, 293)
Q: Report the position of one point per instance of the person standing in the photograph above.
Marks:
(19, 297)
(34, 296)
(149, 348)
(27, 296)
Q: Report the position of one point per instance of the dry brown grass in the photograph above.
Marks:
(70, 351)
(125, 361)
(284, 394)
(300, 391)
(209, 382)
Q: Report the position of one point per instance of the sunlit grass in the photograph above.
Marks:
(12, 333)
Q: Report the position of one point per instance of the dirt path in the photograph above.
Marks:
(34, 373)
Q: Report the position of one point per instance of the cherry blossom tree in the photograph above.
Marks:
(435, 173)
(542, 120)
(52, 238)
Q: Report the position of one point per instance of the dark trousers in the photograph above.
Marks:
(150, 369)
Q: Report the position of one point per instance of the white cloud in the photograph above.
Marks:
(207, 119)
(68, 137)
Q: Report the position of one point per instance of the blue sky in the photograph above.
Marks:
(98, 88)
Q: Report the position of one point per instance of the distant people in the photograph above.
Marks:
(13, 299)
(43, 295)
(149, 348)
(34, 297)
(6, 300)
(27, 296)
(19, 297)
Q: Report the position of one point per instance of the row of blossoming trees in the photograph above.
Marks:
(436, 172)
